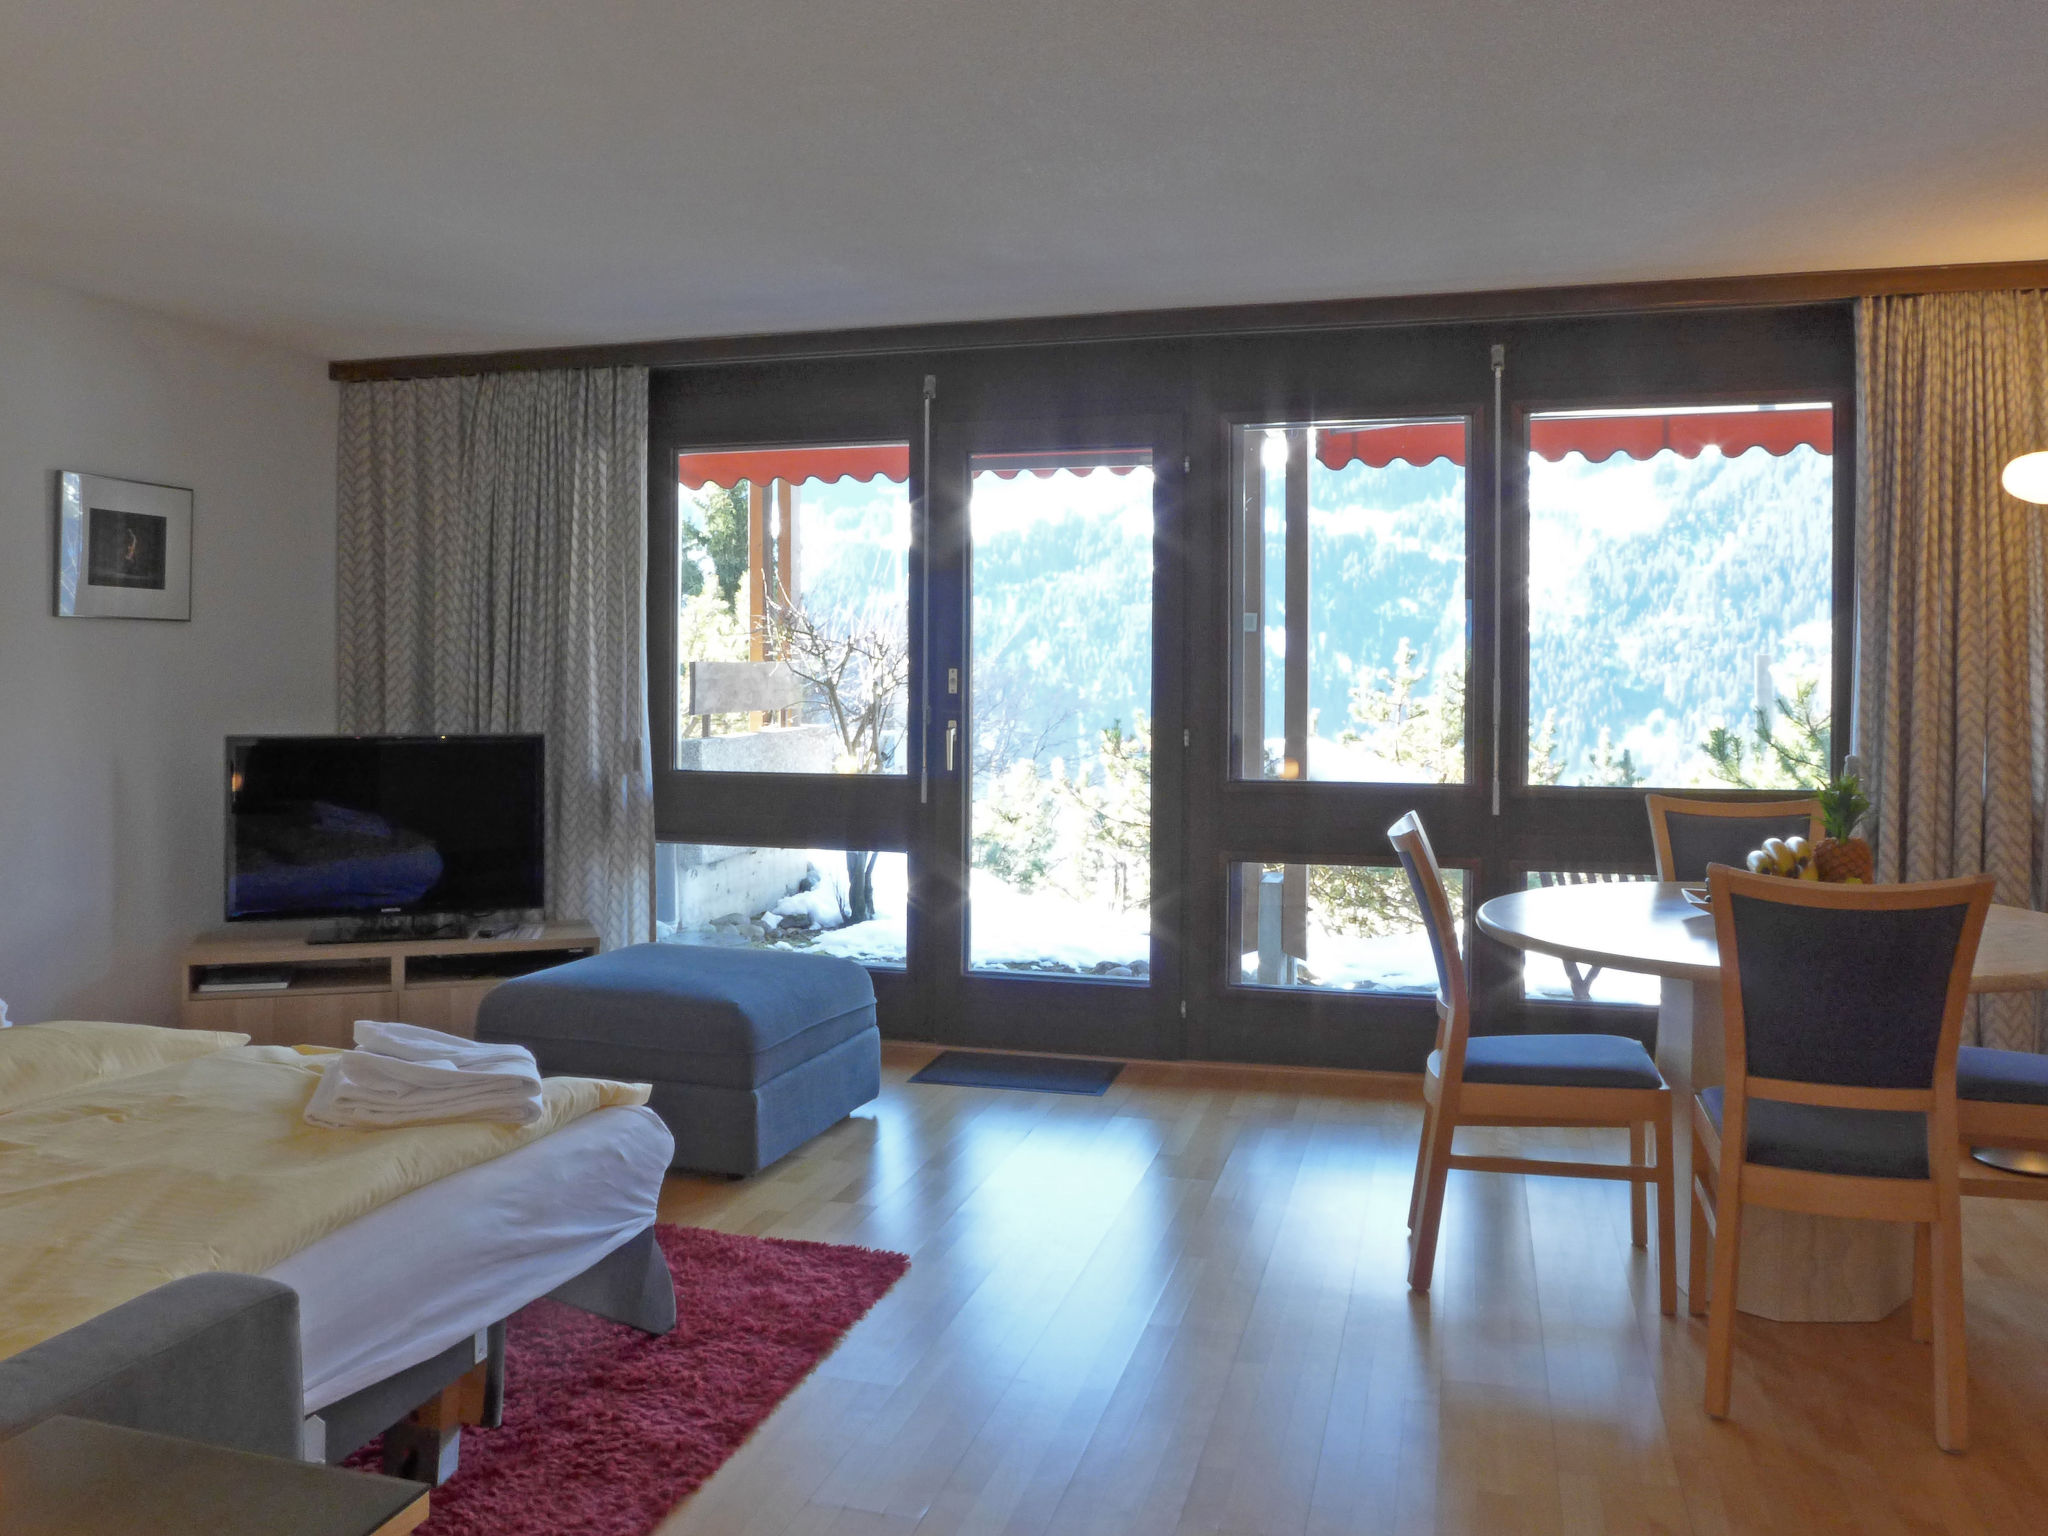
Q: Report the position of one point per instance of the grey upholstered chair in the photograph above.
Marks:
(1841, 1011)
(1688, 834)
(211, 1357)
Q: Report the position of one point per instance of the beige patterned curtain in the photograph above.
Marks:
(493, 535)
(1952, 600)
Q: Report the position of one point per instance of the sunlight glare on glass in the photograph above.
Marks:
(1273, 451)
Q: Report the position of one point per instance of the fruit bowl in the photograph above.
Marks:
(1698, 896)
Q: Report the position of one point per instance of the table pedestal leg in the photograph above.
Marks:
(1795, 1269)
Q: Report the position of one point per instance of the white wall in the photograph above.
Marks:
(110, 729)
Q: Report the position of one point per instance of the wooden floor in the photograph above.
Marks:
(1181, 1308)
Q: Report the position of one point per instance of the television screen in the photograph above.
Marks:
(336, 826)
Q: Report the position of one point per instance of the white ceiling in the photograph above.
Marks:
(370, 176)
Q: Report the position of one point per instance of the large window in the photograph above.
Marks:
(1350, 577)
(792, 596)
(1125, 655)
(1681, 596)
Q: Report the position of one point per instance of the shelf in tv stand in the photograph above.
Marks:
(437, 983)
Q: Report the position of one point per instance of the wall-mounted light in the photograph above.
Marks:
(2027, 477)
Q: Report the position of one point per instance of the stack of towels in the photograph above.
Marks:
(400, 1074)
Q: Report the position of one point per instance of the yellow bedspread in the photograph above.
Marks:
(112, 1189)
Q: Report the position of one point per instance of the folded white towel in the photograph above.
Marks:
(409, 1042)
(360, 1089)
(403, 1075)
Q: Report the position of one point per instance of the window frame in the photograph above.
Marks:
(1235, 428)
(663, 599)
(1200, 388)
(1515, 609)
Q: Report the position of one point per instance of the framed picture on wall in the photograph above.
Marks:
(124, 548)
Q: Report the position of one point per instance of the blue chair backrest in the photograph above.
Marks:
(1416, 883)
(1854, 998)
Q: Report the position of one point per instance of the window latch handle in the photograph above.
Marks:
(952, 739)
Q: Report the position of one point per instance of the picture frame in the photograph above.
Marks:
(124, 548)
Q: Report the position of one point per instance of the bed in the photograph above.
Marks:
(397, 1303)
(445, 1262)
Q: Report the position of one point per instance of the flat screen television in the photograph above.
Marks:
(384, 827)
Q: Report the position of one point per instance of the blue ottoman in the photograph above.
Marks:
(751, 1052)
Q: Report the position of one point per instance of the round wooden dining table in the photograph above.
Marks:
(1795, 1268)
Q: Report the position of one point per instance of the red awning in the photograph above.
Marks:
(1378, 445)
(862, 461)
(1008, 466)
(1685, 433)
(1599, 437)
(888, 461)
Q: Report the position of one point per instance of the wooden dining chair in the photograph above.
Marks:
(1841, 1010)
(1584, 1080)
(1688, 835)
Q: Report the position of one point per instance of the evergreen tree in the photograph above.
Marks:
(1422, 733)
(717, 533)
(1016, 828)
(1608, 767)
(1545, 766)
(1790, 753)
(1368, 900)
(1109, 841)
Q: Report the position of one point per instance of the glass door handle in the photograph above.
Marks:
(952, 739)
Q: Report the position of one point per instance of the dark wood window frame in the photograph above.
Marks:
(1208, 383)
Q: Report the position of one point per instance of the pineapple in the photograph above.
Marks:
(1841, 856)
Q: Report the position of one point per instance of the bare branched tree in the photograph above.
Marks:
(857, 671)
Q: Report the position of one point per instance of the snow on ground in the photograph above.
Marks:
(1402, 962)
(1395, 962)
(814, 917)
(1047, 933)
(1044, 931)
(881, 941)
(1039, 931)
(1333, 761)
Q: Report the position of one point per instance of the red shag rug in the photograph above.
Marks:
(606, 1430)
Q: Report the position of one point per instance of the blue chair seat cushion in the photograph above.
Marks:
(2001, 1077)
(1560, 1061)
(1818, 1138)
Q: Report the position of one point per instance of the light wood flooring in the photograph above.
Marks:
(1181, 1308)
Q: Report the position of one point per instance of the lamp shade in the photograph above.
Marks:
(2027, 477)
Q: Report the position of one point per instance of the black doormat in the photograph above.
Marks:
(1027, 1074)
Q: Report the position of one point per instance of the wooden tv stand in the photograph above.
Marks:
(436, 983)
